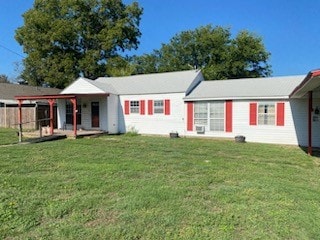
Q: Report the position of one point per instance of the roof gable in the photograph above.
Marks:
(250, 88)
(82, 86)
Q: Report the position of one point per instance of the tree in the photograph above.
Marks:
(65, 39)
(118, 67)
(4, 78)
(213, 50)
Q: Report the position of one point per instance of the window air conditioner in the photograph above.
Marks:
(200, 129)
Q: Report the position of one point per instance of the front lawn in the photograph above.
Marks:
(8, 136)
(121, 187)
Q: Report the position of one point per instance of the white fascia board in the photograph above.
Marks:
(235, 98)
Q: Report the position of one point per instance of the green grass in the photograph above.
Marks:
(121, 187)
(8, 136)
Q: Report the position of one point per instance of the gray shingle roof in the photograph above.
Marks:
(250, 88)
(171, 82)
(9, 91)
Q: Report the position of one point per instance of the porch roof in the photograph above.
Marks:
(310, 83)
(56, 96)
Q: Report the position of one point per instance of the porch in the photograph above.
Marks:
(309, 88)
(44, 134)
(46, 131)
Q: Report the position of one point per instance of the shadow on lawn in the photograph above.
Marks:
(315, 151)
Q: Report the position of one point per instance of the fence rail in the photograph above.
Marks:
(39, 124)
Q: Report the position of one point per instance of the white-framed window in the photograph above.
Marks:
(266, 114)
(210, 114)
(201, 113)
(158, 106)
(134, 107)
(217, 116)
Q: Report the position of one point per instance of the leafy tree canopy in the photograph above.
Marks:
(213, 50)
(65, 39)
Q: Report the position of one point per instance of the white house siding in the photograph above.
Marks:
(294, 131)
(264, 133)
(61, 112)
(299, 109)
(112, 114)
(157, 123)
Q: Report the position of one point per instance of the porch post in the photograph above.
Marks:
(310, 109)
(51, 103)
(74, 103)
(20, 119)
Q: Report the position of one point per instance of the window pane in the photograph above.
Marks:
(266, 114)
(200, 121)
(261, 109)
(134, 106)
(216, 125)
(201, 113)
(158, 106)
(200, 110)
(217, 116)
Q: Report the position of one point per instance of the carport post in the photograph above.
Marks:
(51, 102)
(74, 103)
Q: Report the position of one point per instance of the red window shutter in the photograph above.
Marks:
(190, 116)
(229, 116)
(126, 107)
(150, 107)
(253, 114)
(167, 107)
(280, 114)
(142, 107)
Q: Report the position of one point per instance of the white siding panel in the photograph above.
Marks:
(264, 133)
(86, 112)
(294, 131)
(112, 114)
(156, 123)
(61, 112)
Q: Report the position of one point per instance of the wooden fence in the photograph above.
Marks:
(9, 117)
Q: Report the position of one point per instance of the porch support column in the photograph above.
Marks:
(51, 103)
(310, 110)
(20, 119)
(74, 103)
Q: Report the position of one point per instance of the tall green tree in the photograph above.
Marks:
(213, 50)
(118, 67)
(64, 39)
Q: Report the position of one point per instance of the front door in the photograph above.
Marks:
(95, 115)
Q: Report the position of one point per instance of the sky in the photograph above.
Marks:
(289, 29)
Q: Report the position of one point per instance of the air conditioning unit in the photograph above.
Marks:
(200, 129)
